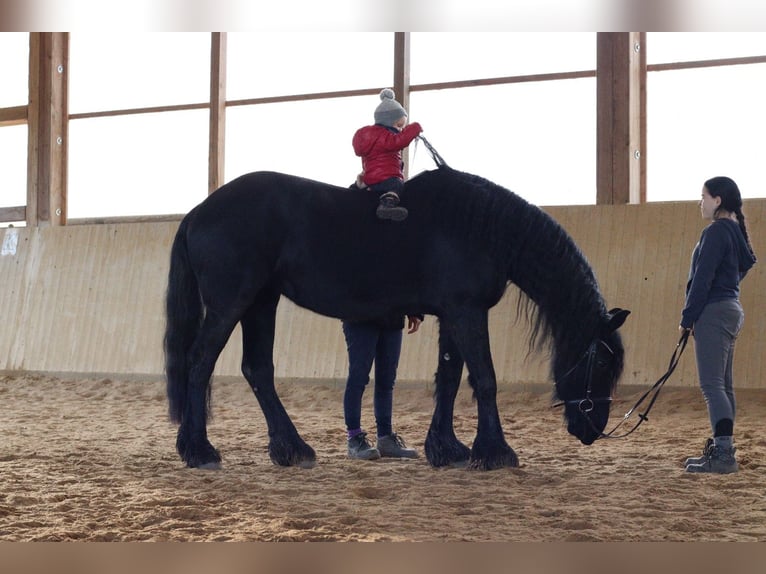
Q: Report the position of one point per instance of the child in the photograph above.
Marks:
(380, 147)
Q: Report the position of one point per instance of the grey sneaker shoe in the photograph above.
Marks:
(705, 454)
(719, 461)
(359, 448)
(392, 446)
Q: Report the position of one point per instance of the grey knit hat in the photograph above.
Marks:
(389, 110)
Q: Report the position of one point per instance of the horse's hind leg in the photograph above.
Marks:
(192, 442)
(442, 446)
(286, 447)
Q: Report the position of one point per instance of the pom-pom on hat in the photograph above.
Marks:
(388, 110)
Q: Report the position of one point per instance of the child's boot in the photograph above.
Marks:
(389, 207)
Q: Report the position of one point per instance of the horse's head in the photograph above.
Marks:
(585, 386)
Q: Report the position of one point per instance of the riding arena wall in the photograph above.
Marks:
(89, 299)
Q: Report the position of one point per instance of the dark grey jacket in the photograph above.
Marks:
(720, 261)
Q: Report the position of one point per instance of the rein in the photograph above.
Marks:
(586, 404)
(438, 160)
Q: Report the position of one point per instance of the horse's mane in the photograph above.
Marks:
(560, 294)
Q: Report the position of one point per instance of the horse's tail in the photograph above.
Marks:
(184, 313)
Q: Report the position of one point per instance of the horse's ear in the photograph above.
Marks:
(617, 317)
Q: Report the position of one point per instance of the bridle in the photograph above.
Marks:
(587, 403)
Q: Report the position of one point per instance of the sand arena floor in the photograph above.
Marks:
(94, 460)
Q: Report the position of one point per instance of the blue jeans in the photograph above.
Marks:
(391, 184)
(366, 343)
(715, 333)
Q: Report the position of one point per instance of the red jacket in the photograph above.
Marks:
(381, 150)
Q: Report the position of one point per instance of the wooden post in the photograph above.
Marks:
(402, 79)
(217, 111)
(642, 116)
(48, 129)
(618, 161)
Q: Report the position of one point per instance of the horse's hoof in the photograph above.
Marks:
(210, 466)
(509, 460)
(307, 464)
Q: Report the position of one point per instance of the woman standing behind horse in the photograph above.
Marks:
(714, 315)
(378, 341)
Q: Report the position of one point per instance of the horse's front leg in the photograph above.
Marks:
(442, 446)
(489, 450)
(286, 447)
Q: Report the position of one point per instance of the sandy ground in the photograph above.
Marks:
(94, 460)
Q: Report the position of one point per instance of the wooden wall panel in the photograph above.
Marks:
(85, 299)
(89, 299)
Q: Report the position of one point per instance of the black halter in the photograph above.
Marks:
(586, 404)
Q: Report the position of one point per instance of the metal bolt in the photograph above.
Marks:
(637, 47)
(446, 356)
(58, 212)
(59, 141)
(60, 69)
(637, 154)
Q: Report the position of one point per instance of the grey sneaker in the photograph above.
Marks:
(358, 447)
(719, 461)
(705, 454)
(392, 446)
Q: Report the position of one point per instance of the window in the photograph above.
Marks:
(512, 134)
(13, 175)
(123, 71)
(309, 138)
(14, 69)
(144, 164)
(537, 139)
(706, 121)
(665, 47)
(516, 108)
(444, 57)
(278, 64)
(137, 164)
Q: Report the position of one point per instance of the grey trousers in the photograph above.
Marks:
(715, 333)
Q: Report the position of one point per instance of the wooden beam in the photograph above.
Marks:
(706, 63)
(48, 129)
(503, 80)
(16, 213)
(13, 116)
(618, 84)
(642, 117)
(136, 111)
(402, 78)
(217, 111)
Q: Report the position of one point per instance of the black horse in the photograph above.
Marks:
(268, 234)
